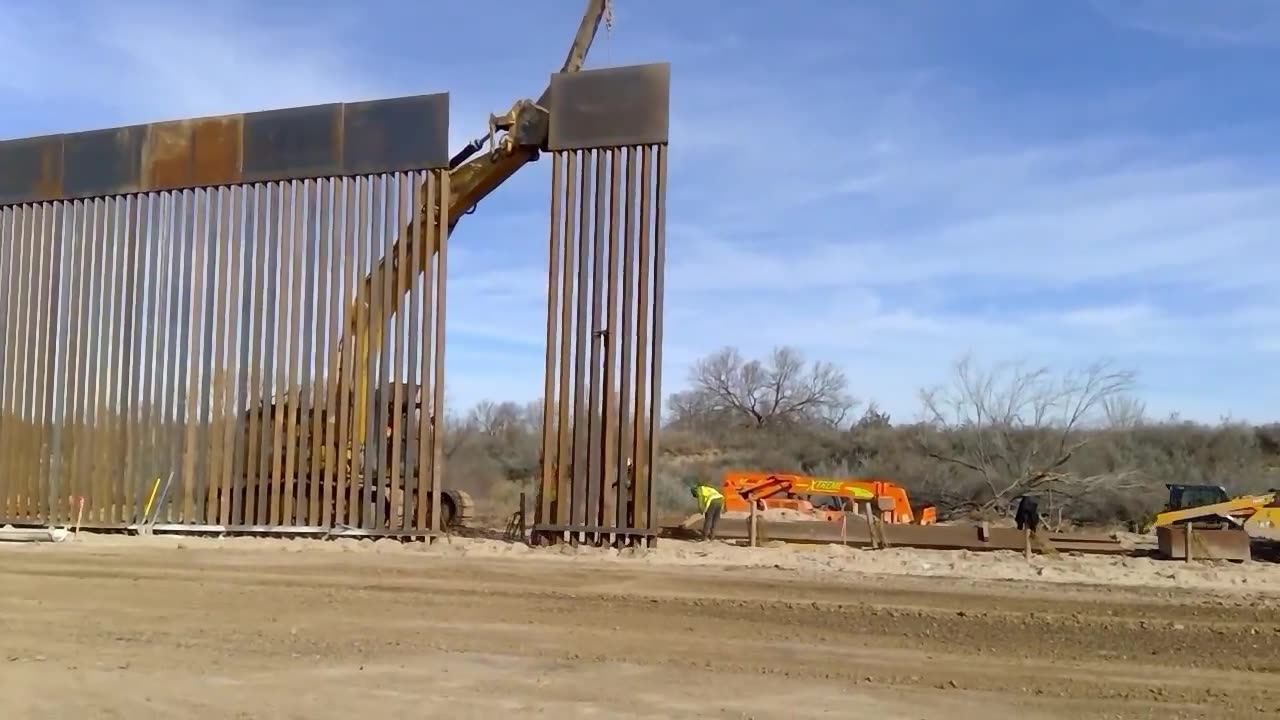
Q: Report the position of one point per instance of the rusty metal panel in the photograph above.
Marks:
(610, 107)
(192, 153)
(32, 169)
(167, 155)
(103, 162)
(334, 140)
(298, 142)
(217, 151)
(396, 135)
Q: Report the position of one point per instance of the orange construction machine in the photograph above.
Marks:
(830, 498)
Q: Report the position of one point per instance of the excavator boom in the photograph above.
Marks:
(524, 131)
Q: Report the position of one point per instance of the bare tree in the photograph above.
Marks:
(1124, 412)
(782, 391)
(1017, 428)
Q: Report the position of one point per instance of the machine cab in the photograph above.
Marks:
(1182, 497)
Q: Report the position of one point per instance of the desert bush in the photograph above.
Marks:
(1080, 439)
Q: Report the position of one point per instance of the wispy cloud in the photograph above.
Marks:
(1201, 22)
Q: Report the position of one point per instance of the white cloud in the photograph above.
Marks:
(1202, 22)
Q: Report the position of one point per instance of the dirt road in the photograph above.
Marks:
(190, 629)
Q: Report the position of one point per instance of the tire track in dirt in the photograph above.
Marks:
(240, 613)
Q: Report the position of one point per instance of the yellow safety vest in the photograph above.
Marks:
(705, 495)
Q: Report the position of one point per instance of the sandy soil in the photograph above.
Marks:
(109, 627)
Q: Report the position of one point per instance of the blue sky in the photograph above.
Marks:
(886, 185)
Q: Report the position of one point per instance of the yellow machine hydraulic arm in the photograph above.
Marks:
(514, 139)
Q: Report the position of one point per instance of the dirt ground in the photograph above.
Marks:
(114, 627)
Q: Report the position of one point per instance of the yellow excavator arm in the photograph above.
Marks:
(514, 139)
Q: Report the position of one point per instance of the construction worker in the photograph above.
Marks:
(711, 503)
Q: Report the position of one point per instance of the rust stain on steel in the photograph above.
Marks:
(336, 140)
(217, 152)
(32, 169)
(193, 153)
(166, 162)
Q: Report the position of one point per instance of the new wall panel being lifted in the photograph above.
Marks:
(606, 261)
